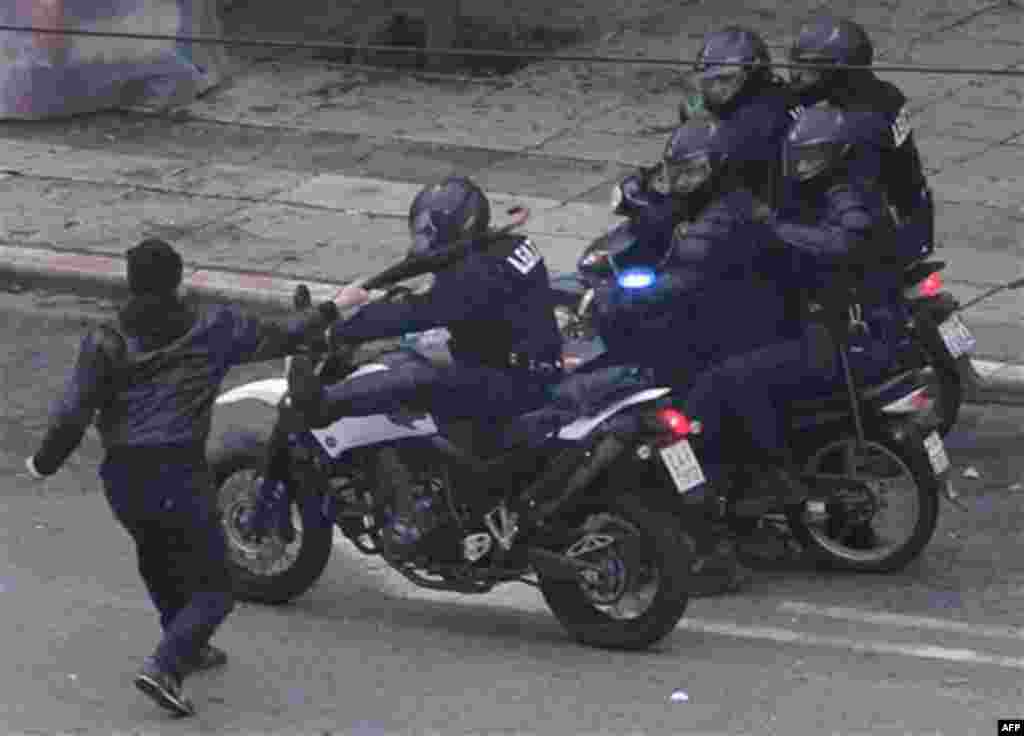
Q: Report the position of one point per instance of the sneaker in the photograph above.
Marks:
(164, 689)
(209, 658)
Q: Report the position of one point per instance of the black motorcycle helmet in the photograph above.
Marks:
(747, 65)
(819, 146)
(828, 40)
(695, 163)
(452, 210)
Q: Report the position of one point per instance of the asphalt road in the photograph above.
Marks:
(930, 650)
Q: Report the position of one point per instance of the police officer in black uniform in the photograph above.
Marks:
(150, 381)
(835, 43)
(497, 305)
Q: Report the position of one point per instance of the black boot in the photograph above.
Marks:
(411, 516)
(717, 570)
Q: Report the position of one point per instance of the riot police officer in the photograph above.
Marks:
(837, 43)
(150, 380)
(717, 296)
(497, 306)
(734, 84)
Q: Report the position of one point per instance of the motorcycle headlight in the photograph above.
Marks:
(636, 278)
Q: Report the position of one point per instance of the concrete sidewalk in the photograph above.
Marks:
(303, 171)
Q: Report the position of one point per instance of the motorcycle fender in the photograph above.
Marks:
(939, 307)
(911, 433)
(351, 432)
(268, 391)
(271, 390)
(583, 426)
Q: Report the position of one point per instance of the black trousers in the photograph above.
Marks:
(163, 497)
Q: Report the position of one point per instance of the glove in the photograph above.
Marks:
(30, 465)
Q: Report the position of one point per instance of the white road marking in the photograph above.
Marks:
(788, 636)
(899, 619)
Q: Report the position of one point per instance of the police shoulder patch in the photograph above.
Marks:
(524, 257)
(901, 128)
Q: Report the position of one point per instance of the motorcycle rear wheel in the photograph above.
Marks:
(648, 547)
(831, 546)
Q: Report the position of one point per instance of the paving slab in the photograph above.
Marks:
(950, 117)
(355, 194)
(954, 49)
(941, 151)
(998, 92)
(275, 237)
(423, 163)
(656, 116)
(577, 220)
(100, 217)
(562, 180)
(486, 132)
(622, 149)
(1003, 23)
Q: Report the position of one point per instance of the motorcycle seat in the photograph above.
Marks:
(583, 394)
(840, 400)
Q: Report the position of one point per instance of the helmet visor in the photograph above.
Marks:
(688, 175)
(720, 85)
(803, 163)
(425, 234)
(805, 79)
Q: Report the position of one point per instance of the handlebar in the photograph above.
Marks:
(302, 298)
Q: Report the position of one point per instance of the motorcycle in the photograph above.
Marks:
(552, 504)
(942, 342)
(864, 450)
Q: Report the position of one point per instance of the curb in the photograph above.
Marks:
(987, 382)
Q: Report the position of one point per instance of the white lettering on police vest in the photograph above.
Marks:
(901, 129)
(524, 258)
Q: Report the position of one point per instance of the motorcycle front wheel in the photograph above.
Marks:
(268, 570)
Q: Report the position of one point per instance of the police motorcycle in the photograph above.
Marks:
(557, 506)
(942, 342)
(872, 456)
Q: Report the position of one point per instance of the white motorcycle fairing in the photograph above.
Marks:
(347, 432)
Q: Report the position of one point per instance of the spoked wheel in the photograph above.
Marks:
(874, 507)
(634, 590)
(267, 570)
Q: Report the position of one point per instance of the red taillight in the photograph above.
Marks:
(675, 421)
(931, 285)
(922, 401)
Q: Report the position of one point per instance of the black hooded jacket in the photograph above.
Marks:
(151, 378)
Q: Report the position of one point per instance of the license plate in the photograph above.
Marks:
(936, 453)
(683, 466)
(957, 337)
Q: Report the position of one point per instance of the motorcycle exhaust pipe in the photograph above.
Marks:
(607, 450)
